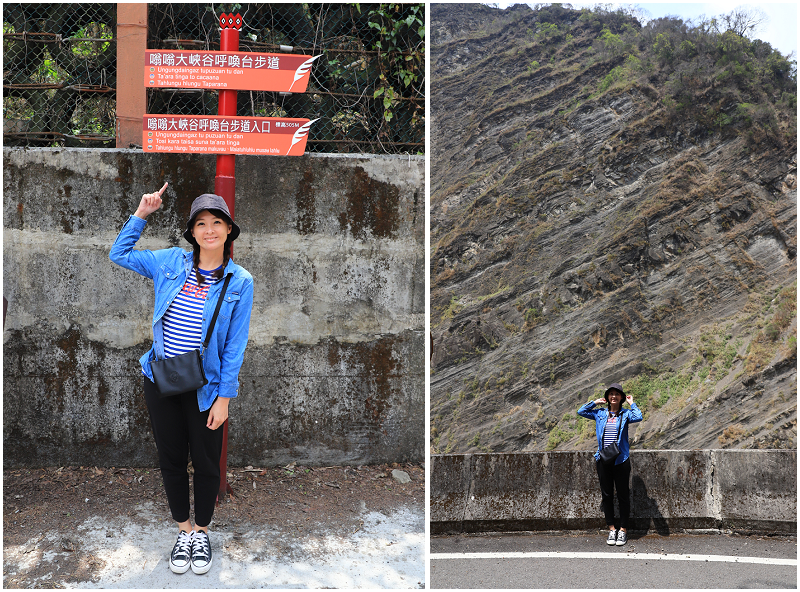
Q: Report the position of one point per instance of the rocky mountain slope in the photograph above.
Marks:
(611, 202)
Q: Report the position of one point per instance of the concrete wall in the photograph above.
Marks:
(334, 369)
(744, 490)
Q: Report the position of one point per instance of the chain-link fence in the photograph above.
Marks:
(366, 49)
(59, 74)
(367, 89)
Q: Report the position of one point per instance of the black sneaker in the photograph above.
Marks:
(612, 537)
(180, 558)
(201, 552)
(622, 538)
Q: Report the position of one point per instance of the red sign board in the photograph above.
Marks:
(214, 134)
(231, 70)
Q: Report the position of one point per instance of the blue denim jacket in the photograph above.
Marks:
(169, 268)
(600, 416)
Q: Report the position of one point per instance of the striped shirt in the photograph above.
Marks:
(610, 433)
(183, 321)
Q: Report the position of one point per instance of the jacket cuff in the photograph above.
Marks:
(228, 390)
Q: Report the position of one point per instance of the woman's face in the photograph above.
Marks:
(615, 398)
(210, 232)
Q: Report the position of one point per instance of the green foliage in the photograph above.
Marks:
(687, 49)
(731, 47)
(568, 427)
(765, 344)
(612, 44)
(655, 391)
(586, 430)
(546, 31)
(500, 289)
(92, 31)
(534, 65)
(532, 316)
(786, 307)
(556, 437)
(616, 74)
(713, 347)
(663, 48)
(633, 64)
(48, 71)
(402, 51)
(723, 120)
(453, 308)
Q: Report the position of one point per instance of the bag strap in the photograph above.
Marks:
(216, 312)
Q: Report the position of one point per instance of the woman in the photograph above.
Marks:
(187, 289)
(611, 426)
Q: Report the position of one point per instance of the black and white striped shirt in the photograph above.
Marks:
(183, 321)
(610, 433)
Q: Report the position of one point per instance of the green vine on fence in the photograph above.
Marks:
(401, 47)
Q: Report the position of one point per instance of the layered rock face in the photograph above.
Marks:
(587, 227)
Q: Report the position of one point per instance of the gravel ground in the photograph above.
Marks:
(289, 527)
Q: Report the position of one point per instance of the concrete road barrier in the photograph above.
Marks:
(671, 490)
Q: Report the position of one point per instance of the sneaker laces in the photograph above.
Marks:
(183, 546)
(200, 547)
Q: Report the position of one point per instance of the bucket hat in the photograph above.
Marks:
(614, 386)
(209, 201)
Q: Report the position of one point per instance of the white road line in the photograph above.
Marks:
(650, 556)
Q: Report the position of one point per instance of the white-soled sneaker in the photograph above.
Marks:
(201, 552)
(622, 538)
(180, 559)
(612, 537)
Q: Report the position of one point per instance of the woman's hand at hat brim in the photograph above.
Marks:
(150, 203)
(629, 399)
(600, 401)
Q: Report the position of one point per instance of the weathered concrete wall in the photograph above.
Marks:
(334, 369)
(744, 490)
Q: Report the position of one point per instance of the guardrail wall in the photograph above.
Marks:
(742, 490)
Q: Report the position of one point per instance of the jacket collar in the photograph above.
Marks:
(188, 257)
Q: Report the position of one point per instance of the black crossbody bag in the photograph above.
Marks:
(184, 373)
(610, 453)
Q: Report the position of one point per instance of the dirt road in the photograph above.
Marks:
(289, 527)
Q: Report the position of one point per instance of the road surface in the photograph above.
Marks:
(584, 560)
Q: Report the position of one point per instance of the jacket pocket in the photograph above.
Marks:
(165, 278)
(228, 305)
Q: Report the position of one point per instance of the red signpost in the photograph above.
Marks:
(225, 186)
(227, 134)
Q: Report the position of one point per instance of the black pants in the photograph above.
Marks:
(179, 427)
(619, 476)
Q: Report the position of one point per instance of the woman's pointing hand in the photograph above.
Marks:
(150, 203)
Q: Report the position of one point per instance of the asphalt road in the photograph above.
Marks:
(533, 560)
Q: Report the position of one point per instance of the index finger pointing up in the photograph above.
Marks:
(160, 191)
